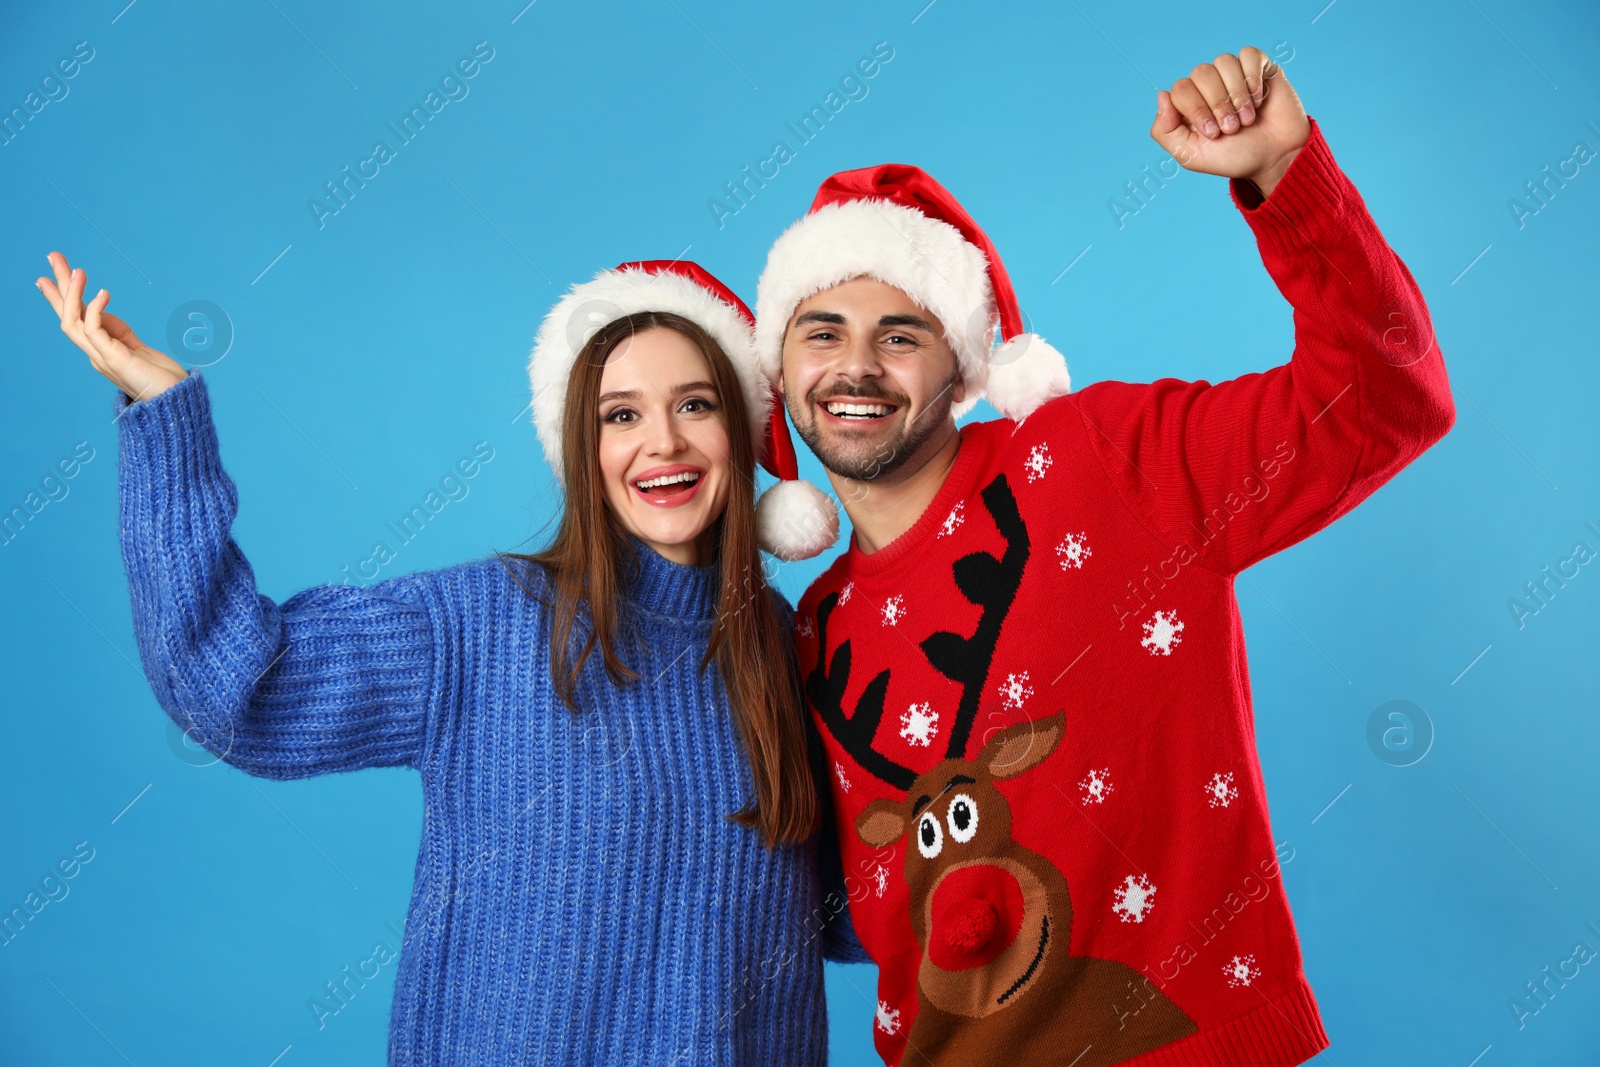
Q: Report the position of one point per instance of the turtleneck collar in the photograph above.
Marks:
(657, 584)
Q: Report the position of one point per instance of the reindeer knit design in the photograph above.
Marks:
(579, 895)
(1056, 837)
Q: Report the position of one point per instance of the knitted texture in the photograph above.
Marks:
(579, 895)
(1036, 700)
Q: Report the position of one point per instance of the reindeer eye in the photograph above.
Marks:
(963, 818)
(930, 839)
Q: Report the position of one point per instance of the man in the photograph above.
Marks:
(1028, 667)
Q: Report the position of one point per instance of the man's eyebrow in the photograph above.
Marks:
(833, 318)
(677, 390)
(914, 321)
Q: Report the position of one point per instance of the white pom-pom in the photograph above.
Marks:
(1024, 373)
(796, 520)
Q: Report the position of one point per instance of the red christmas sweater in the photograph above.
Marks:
(1036, 701)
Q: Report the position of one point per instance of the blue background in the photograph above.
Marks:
(372, 352)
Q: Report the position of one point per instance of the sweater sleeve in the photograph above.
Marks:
(333, 679)
(1249, 466)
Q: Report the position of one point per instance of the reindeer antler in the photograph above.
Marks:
(992, 585)
(825, 685)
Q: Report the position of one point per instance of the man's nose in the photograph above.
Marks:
(859, 358)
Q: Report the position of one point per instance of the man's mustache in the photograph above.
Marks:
(865, 391)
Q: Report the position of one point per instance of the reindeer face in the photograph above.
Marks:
(984, 908)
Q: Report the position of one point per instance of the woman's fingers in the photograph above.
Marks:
(69, 282)
(58, 264)
(95, 330)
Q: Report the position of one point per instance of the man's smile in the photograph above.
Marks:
(857, 409)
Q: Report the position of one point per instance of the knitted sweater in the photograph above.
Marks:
(579, 895)
(1036, 700)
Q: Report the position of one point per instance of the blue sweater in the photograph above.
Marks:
(579, 895)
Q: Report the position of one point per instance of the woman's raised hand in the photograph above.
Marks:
(113, 348)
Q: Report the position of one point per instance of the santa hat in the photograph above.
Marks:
(896, 224)
(794, 519)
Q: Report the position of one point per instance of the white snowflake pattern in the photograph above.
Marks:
(844, 594)
(919, 724)
(802, 627)
(1241, 971)
(1073, 550)
(1097, 786)
(952, 520)
(880, 879)
(1015, 690)
(894, 609)
(1133, 898)
(888, 1018)
(838, 772)
(1162, 633)
(1220, 791)
(1038, 462)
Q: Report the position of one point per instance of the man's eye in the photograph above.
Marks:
(824, 335)
(901, 339)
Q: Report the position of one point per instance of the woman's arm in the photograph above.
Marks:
(336, 678)
(333, 679)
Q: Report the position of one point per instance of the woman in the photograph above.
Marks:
(618, 861)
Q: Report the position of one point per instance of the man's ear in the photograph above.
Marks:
(959, 393)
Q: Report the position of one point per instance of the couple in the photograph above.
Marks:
(1017, 706)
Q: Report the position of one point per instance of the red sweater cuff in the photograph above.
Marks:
(1307, 198)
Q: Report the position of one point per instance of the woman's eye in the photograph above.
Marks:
(620, 415)
(697, 404)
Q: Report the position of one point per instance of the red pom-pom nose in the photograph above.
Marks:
(969, 925)
(977, 911)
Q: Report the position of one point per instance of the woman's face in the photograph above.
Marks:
(664, 444)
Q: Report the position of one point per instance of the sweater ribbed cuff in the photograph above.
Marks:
(170, 435)
(1308, 198)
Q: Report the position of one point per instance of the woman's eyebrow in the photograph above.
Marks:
(677, 390)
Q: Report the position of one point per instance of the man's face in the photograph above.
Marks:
(869, 379)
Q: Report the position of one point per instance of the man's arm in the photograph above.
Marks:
(1247, 467)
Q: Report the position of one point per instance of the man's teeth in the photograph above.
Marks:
(668, 479)
(868, 410)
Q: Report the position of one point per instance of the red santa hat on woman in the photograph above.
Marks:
(794, 519)
(894, 223)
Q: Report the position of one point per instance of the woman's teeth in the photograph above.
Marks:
(689, 477)
(859, 411)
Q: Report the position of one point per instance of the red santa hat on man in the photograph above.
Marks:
(893, 222)
(795, 520)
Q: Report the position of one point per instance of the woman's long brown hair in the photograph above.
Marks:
(586, 563)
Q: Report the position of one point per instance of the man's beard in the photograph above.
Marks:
(864, 462)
